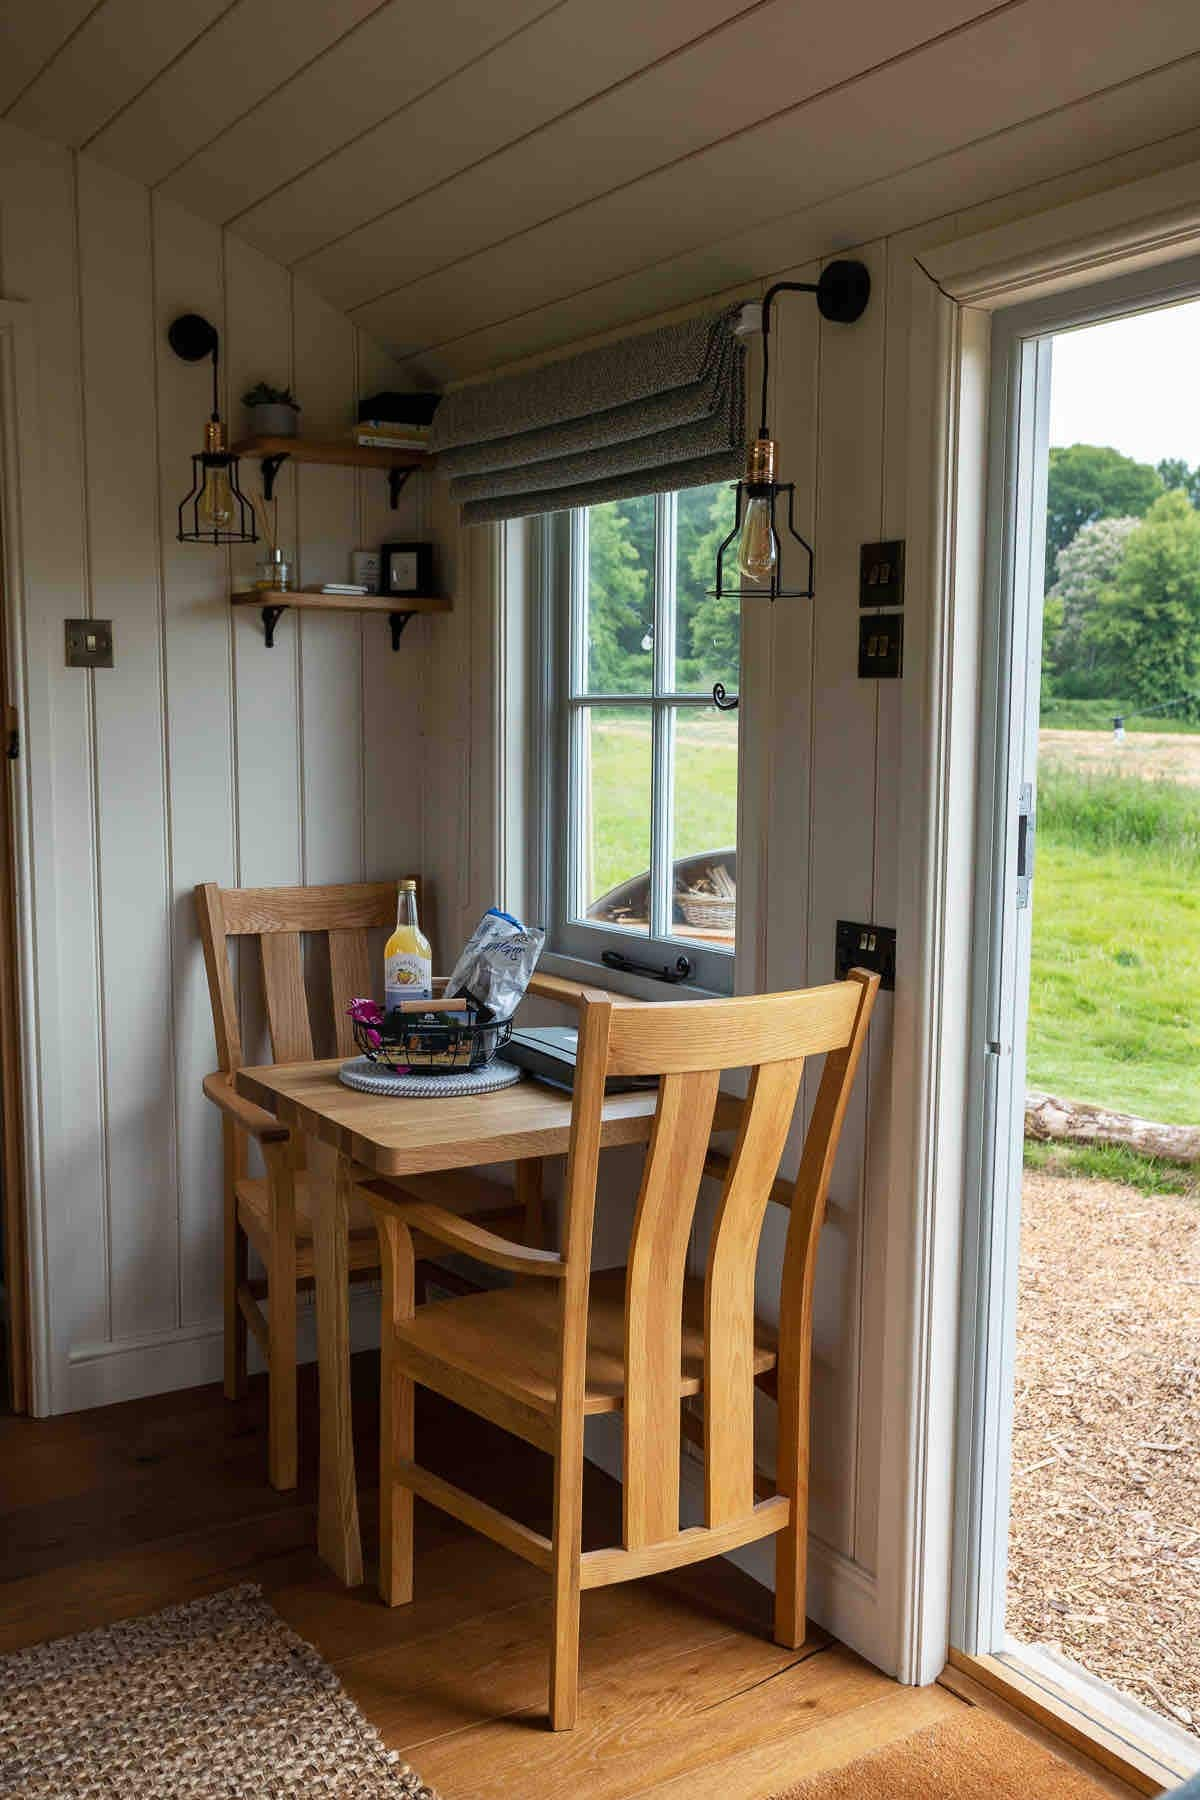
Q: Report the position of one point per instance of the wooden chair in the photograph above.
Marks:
(273, 1213)
(537, 1358)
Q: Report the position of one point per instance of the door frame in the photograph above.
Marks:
(20, 1096)
(1148, 224)
(1008, 739)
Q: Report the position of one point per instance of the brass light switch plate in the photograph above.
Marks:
(89, 644)
(881, 574)
(880, 646)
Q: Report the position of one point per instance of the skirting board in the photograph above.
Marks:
(842, 1595)
(161, 1362)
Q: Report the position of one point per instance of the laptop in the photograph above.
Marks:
(550, 1052)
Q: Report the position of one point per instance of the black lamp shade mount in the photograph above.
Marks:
(193, 338)
(842, 294)
(214, 510)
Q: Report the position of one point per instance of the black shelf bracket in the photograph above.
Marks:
(271, 466)
(271, 616)
(396, 481)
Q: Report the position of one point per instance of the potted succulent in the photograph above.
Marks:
(271, 411)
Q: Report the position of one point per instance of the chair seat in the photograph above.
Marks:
(459, 1191)
(507, 1340)
(254, 1218)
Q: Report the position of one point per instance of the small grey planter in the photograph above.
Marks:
(273, 419)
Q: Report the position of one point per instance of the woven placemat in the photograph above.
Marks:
(361, 1073)
(200, 1702)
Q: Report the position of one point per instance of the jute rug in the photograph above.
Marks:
(216, 1700)
(975, 1757)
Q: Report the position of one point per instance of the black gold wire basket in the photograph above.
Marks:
(432, 1037)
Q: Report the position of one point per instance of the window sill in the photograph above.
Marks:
(636, 987)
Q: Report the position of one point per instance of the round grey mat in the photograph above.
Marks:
(370, 1078)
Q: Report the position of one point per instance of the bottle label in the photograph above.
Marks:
(406, 977)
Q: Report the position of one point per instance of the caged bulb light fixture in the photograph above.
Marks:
(842, 295)
(215, 511)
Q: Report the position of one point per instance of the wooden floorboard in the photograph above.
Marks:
(120, 1511)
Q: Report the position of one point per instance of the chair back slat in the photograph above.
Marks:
(689, 1046)
(286, 997)
(254, 912)
(300, 982)
(350, 976)
(729, 1291)
(210, 914)
(679, 1035)
(654, 1304)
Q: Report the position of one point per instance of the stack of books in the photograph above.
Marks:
(395, 421)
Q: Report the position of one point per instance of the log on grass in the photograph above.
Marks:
(1049, 1120)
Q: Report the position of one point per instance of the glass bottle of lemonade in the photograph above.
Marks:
(408, 960)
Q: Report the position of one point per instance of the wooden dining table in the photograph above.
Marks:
(353, 1137)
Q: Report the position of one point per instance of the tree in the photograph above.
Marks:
(1146, 628)
(709, 625)
(1052, 618)
(621, 556)
(1086, 566)
(1090, 481)
(1175, 473)
(620, 596)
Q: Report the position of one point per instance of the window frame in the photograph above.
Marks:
(559, 648)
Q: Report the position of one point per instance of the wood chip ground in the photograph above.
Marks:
(1104, 1549)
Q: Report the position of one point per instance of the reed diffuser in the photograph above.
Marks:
(274, 573)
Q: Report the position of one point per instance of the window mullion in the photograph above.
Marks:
(577, 809)
(663, 743)
(664, 594)
(577, 657)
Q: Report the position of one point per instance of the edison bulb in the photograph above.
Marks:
(214, 509)
(757, 553)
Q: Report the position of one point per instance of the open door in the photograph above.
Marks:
(1100, 466)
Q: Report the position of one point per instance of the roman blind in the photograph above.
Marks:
(662, 410)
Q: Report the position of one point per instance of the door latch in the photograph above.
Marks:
(1026, 828)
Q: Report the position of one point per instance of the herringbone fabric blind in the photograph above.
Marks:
(659, 411)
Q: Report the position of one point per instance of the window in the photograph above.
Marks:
(642, 835)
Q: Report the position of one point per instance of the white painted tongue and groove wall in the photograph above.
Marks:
(200, 755)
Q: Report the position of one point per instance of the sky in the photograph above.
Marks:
(1133, 383)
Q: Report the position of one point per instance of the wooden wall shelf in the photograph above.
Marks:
(399, 608)
(273, 452)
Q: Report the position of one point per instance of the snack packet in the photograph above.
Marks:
(496, 964)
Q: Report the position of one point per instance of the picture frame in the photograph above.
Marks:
(405, 570)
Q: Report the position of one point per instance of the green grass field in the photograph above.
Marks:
(1108, 1162)
(705, 791)
(1115, 989)
(1098, 715)
(1114, 1006)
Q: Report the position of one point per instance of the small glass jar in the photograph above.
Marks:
(274, 572)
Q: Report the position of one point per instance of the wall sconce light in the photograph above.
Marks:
(215, 511)
(842, 295)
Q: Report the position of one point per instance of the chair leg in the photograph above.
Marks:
(530, 1196)
(397, 1410)
(234, 1273)
(791, 1544)
(568, 1535)
(791, 1577)
(281, 1302)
